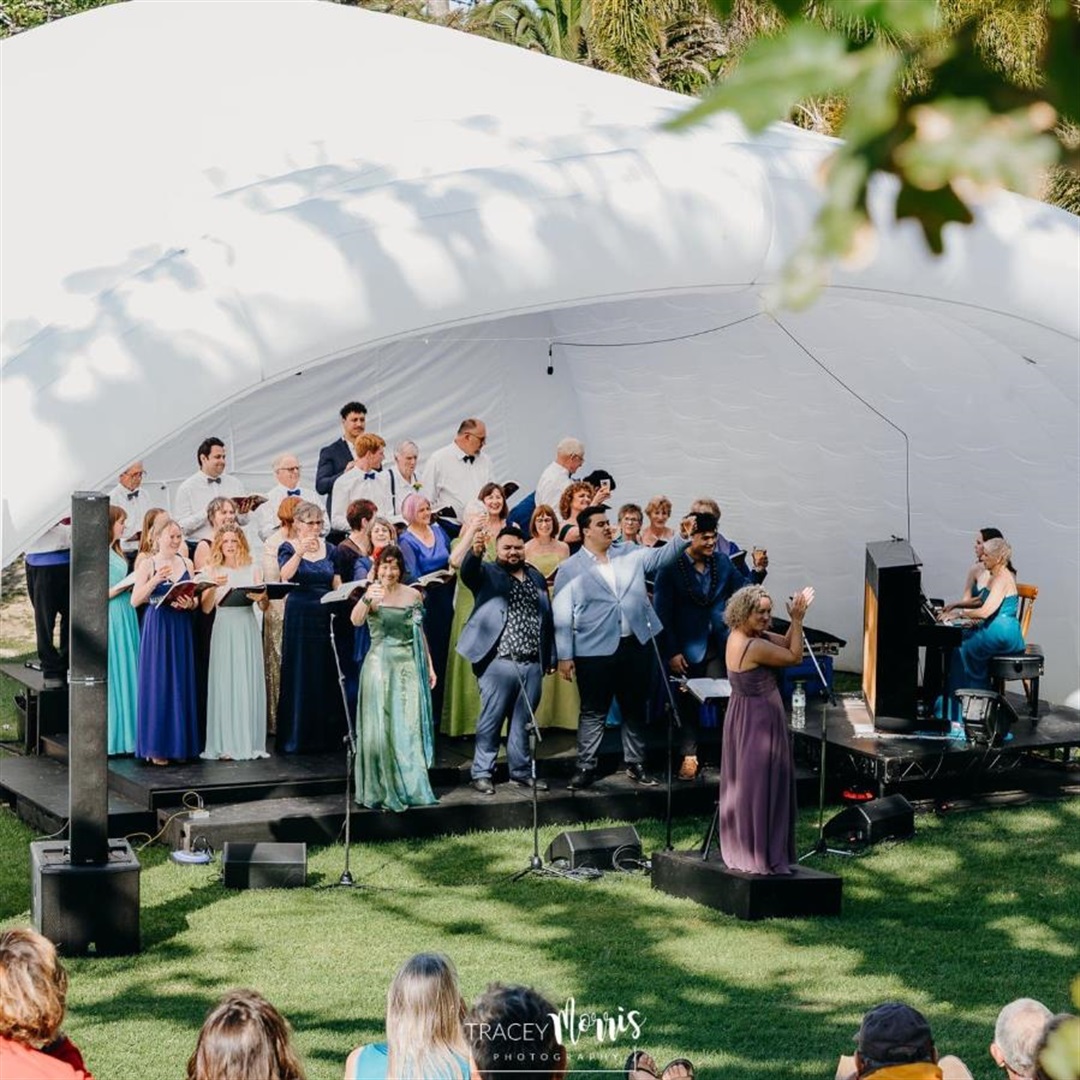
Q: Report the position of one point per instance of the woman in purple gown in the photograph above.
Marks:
(167, 728)
(310, 712)
(757, 773)
(426, 548)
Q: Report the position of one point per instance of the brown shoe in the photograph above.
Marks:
(688, 770)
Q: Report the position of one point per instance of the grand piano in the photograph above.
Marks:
(897, 622)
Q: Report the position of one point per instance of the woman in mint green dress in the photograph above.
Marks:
(394, 729)
(123, 661)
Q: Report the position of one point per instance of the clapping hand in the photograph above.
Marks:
(798, 604)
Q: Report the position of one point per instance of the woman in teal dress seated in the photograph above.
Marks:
(997, 629)
(977, 583)
(425, 1039)
(123, 667)
(394, 730)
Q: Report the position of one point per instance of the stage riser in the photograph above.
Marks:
(807, 893)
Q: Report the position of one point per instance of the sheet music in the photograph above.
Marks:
(708, 689)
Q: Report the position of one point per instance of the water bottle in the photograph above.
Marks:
(798, 706)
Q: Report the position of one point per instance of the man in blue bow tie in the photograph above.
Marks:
(287, 474)
(367, 481)
(209, 482)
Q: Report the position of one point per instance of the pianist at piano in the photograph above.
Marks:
(977, 583)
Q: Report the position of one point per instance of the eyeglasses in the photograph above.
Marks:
(289, 468)
(309, 521)
(481, 439)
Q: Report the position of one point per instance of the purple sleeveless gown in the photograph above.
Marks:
(757, 778)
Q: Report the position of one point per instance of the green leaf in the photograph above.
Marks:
(774, 73)
(900, 16)
(933, 210)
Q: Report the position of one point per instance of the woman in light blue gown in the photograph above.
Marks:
(123, 670)
(236, 681)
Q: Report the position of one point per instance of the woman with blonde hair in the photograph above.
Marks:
(33, 997)
(274, 615)
(123, 659)
(424, 1035)
(236, 681)
(244, 1038)
(152, 521)
(657, 510)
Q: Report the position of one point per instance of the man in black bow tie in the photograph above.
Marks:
(287, 474)
(455, 474)
(209, 482)
(367, 481)
(128, 495)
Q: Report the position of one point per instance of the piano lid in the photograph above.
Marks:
(891, 553)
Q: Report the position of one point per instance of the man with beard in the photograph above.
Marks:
(510, 641)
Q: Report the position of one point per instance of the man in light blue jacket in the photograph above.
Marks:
(603, 626)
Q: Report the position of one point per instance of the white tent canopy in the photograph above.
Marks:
(231, 218)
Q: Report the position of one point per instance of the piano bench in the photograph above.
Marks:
(1028, 666)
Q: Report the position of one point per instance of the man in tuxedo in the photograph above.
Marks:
(510, 641)
(287, 474)
(210, 481)
(454, 474)
(339, 455)
(690, 597)
(569, 457)
(404, 474)
(366, 480)
(603, 625)
(129, 497)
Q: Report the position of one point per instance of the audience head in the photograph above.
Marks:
(287, 471)
(353, 419)
(599, 477)
(705, 505)
(510, 547)
(168, 537)
(595, 528)
(1019, 1028)
(222, 545)
(406, 455)
(471, 436)
(370, 449)
(390, 555)
(211, 456)
(500, 1014)
(570, 453)
(631, 518)
(359, 512)
(244, 1037)
(117, 518)
(658, 510)
(424, 1011)
(33, 988)
(996, 550)
(381, 533)
(745, 604)
(543, 515)
(416, 510)
(575, 498)
(491, 495)
(307, 514)
(132, 477)
(892, 1034)
(220, 511)
(286, 511)
(152, 521)
(1054, 1042)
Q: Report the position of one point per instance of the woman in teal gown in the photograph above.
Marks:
(394, 728)
(997, 632)
(123, 645)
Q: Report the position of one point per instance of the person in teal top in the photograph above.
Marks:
(123, 662)
(394, 728)
(996, 629)
(977, 583)
(424, 1035)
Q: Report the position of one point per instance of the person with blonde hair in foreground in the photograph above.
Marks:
(424, 1036)
(33, 995)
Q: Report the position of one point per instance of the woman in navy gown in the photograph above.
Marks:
(426, 548)
(757, 773)
(310, 712)
(167, 728)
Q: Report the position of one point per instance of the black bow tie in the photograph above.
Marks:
(213, 479)
(468, 458)
(132, 495)
(370, 475)
(293, 491)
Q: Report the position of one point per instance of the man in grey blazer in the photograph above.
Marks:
(509, 639)
(603, 625)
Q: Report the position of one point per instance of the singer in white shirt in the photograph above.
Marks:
(367, 481)
(211, 481)
(287, 473)
(454, 475)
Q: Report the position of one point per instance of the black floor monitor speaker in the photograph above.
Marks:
(264, 865)
(601, 849)
(890, 818)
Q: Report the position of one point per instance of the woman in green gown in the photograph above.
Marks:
(394, 730)
(123, 669)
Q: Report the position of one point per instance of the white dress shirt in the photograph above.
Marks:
(355, 484)
(402, 488)
(553, 481)
(134, 504)
(192, 497)
(450, 480)
(266, 519)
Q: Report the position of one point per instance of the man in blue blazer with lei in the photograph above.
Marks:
(603, 625)
(510, 641)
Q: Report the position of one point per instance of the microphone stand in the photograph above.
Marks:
(673, 720)
(536, 864)
(828, 698)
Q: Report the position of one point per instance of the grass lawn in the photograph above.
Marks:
(978, 909)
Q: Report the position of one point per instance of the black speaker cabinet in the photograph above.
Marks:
(596, 847)
(79, 906)
(891, 818)
(264, 866)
